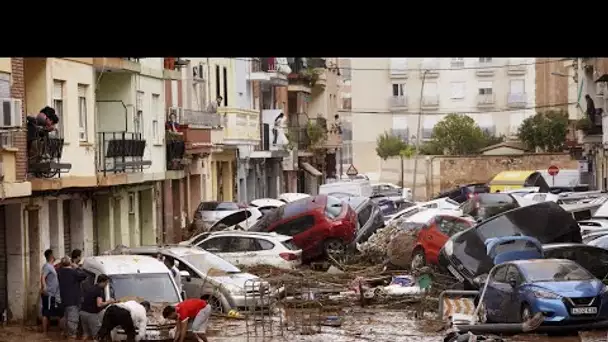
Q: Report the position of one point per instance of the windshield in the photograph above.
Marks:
(152, 287)
(555, 271)
(333, 207)
(207, 261)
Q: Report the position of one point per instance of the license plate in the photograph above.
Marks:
(584, 311)
(455, 273)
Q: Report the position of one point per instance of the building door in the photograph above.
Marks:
(67, 228)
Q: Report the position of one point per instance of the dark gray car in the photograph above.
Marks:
(369, 216)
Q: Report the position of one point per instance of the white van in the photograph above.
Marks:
(136, 276)
(355, 188)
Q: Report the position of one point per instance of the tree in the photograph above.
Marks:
(389, 145)
(458, 134)
(546, 131)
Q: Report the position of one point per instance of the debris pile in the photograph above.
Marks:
(390, 244)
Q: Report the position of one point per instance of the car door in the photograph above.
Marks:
(493, 297)
(242, 251)
(194, 286)
(437, 236)
(300, 229)
(217, 245)
(512, 302)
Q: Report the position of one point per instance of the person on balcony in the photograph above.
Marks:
(172, 125)
(337, 125)
(212, 108)
(47, 119)
(39, 127)
(590, 109)
(278, 124)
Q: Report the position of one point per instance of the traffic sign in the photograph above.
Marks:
(553, 170)
(352, 171)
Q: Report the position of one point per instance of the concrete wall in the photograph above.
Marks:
(437, 173)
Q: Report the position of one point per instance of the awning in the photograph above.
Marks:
(310, 169)
(603, 78)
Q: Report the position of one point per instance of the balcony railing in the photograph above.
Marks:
(176, 149)
(240, 125)
(485, 100)
(44, 152)
(516, 67)
(120, 152)
(485, 67)
(199, 118)
(517, 100)
(398, 101)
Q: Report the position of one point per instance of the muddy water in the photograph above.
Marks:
(358, 325)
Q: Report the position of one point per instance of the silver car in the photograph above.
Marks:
(207, 276)
(210, 212)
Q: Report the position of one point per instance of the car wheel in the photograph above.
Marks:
(216, 304)
(336, 249)
(526, 313)
(418, 259)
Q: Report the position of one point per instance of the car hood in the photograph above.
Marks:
(587, 288)
(237, 279)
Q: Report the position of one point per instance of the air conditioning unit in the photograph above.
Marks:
(198, 73)
(10, 113)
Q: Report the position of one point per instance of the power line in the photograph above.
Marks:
(432, 112)
(431, 69)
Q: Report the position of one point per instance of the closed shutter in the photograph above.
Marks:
(5, 86)
(58, 90)
(517, 87)
(82, 90)
(3, 262)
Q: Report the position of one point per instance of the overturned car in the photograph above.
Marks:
(464, 255)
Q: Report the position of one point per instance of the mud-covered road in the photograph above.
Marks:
(358, 325)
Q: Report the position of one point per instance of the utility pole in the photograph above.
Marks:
(418, 136)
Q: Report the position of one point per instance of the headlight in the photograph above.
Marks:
(449, 247)
(605, 289)
(545, 294)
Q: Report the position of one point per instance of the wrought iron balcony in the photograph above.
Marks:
(119, 152)
(44, 153)
(176, 149)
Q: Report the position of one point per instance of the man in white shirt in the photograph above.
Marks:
(129, 315)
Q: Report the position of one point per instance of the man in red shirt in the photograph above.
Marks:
(195, 310)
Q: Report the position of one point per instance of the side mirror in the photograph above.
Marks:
(513, 283)
(185, 274)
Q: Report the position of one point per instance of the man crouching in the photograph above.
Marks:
(195, 310)
(128, 315)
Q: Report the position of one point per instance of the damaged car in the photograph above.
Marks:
(464, 254)
(369, 216)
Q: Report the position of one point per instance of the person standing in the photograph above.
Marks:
(170, 263)
(49, 292)
(92, 304)
(195, 310)
(69, 289)
(76, 257)
(278, 124)
(128, 315)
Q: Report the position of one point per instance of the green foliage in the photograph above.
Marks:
(546, 131)
(407, 152)
(457, 135)
(389, 145)
(429, 148)
(490, 140)
(315, 133)
(584, 124)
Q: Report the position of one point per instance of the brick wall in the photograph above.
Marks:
(551, 89)
(18, 92)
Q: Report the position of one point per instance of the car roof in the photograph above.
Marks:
(566, 244)
(539, 261)
(263, 202)
(124, 264)
(426, 215)
(247, 233)
(173, 250)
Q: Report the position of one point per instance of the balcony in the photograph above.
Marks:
(271, 70)
(589, 132)
(301, 76)
(176, 149)
(397, 102)
(197, 118)
(119, 152)
(429, 68)
(197, 127)
(117, 64)
(398, 68)
(430, 102)
(516, 68)
(485, 100)
(485, 67)
(44, 153)
(517, 100)
(241, 126)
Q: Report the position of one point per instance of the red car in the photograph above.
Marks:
(320, 225)
(436, 227)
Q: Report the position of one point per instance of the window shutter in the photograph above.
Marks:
(58, 90)
(82, 90)
(517, 86)
(17, 113)
(5, 86)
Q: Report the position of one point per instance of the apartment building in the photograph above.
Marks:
(345, 103)
(391, 94)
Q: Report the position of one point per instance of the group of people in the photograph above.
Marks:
(64, 295)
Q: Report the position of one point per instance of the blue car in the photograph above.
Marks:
(561, 289)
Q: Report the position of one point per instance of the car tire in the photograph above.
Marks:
(336, 249)
(418, 259)
(217, 304)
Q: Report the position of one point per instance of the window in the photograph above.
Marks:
(458, 90)
(364, 215)
(516, 86)
(398, 89)
(457, 63)
(500, 275)
(485, 60)
(218, 93)
(5, 85)
(334, 207)
(400, 127)
(155, 110)
(139, 112)
(153, 287)
(59, 105)
(430, 89)
(485, 88)
(239, 244)
(225, 87)
(214, 245)
(296, 226)
(265, 244)
(82, 111)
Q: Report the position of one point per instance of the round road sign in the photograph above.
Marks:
(553, 170)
